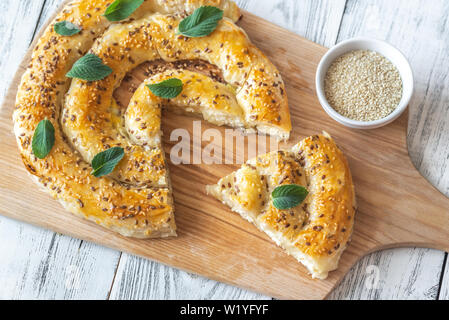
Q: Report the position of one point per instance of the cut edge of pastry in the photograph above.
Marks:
(318, 266)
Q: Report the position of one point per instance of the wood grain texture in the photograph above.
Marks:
(393, 274)
(387, 262)
(46, 265)
(386, 222)
(16, 36)
(427, 53)
(416, 28)
(318, 21)
(38, 263)
(137, 279)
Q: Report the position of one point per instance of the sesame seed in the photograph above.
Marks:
(363, 85)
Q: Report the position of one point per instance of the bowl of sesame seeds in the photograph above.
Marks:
(364, 83)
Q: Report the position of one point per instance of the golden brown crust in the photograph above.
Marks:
(135, 200)
(317, 231)
(333, 203)
(200, 94)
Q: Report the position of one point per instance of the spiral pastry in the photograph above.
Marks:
(318, 230)
(135, 199)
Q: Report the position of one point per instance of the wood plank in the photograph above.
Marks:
(418, 29)
(382, 221)
(37, 263)
(318, 21)
(141, 279)
(16, 36)
(393, 275)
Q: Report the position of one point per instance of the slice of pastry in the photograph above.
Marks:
(315, 232)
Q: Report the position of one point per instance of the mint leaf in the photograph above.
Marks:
(66, 28)
(89, 68)
(105, 162)
(288, 196)
(201, 23)
(167, 89)
(122, 9)
(43, 139)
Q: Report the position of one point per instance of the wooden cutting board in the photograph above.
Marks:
(397, 206)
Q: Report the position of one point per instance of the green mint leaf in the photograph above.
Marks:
(122, 9)
(288, 196)
(66, 28)
(43, 139)
(105, 162)
(201, 23)
(167, 89)
(89, 68)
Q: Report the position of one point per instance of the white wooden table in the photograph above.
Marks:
(40, 264)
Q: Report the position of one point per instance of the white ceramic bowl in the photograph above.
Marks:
(385, 49)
